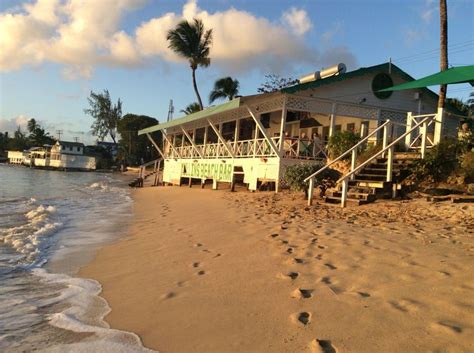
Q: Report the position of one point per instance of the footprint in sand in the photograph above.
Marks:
(304, 318)
(319, 257)
(364, 294)
(301, 293)
(446, 325)
(330, 266)
(274, 235)
(202, 272)
(321, 346)
(326, 280)
(289, 275)
(289, 250)
(196, 264)
(197, 245)
(168, 295)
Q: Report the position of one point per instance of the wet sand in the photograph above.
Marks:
(214, 271)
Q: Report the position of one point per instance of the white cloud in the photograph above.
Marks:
(336, 29)
(412, 36)
(84, 34)
(11, 125)
(297, 20)
(429, 10)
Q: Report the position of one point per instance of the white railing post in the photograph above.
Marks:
(424, 132)
(310, 191)
(439, 120)
(353, 162)
(390, 164)
(345, 187)
(385, 138)
(409, 126)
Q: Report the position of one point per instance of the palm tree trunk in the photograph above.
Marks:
(196, 88)
(443, 15)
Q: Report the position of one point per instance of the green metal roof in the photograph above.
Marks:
(461, 74)
(233, 104)
(351, 74)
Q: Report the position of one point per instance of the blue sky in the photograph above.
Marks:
(54, 52)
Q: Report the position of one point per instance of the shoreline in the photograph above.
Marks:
(208, 271)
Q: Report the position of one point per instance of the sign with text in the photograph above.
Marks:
(207, 170)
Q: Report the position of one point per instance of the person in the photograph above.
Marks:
(464, 132)
(304, 145)
(286, 143)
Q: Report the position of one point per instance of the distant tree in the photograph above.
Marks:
(38, 136)
(470, 104)
(275, 83)
(192, 42)
(106, 115)
(19, 142)
(133, 147)
(191, 108)
(224, 88)
(3, 142)
(459, 105)
(32, 125)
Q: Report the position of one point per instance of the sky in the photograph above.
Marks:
(53, 53)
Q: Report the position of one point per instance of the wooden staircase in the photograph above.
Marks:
(370, 183)
(145, 173)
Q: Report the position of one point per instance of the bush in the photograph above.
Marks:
(295, 175)
(467, 165)
(439, 162)
(340, 142)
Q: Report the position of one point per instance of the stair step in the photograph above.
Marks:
(374, 177)
(354, 195)
(349, 201)
(369, 183)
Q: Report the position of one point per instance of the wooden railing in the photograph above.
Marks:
(292, 148)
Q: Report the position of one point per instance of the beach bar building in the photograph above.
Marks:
(253, 139)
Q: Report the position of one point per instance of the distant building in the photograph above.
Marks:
(62, 155)
(110, 147)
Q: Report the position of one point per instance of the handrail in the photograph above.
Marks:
(347, 152)
(383, 150)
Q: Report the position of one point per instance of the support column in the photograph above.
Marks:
(439, 126)
(332, 120)
(408, 128)
(236, 135)
(282, 129)
(255, 136)
(205, 141)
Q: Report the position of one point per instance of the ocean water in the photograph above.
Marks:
(51, 223)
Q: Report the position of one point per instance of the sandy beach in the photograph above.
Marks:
(214, 271)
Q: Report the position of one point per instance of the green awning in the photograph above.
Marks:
(233, 104)
(461, 74)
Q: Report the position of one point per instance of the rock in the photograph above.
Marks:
(470, 189)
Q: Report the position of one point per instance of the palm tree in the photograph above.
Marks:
(225, 87)
(191, 108)
(193, 42)
(32, 125)
(443, 15)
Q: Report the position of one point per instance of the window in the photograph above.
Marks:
(78, 149)
(351, 127)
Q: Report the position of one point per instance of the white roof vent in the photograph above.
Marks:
(318, 75)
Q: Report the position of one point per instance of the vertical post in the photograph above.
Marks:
(205, 141)
(332, 120)
(439, 126)
(236, 135)
(310, 191)
(409, 127)
(390, 164)
(345, 187)
(255, 137)
(379, 116)
(282, 129)
(353, 162)
(424, 131)
(385, 138)
(363, 130)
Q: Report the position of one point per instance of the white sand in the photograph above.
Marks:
(207, 271)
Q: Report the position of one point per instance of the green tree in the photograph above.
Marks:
(106, 114)
(275, 83)
(19, 142)
(224, 88)
(132, 147)
(192, 42)
(191, 108)
(38, 136)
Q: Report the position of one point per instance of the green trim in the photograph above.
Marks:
(233, 104)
